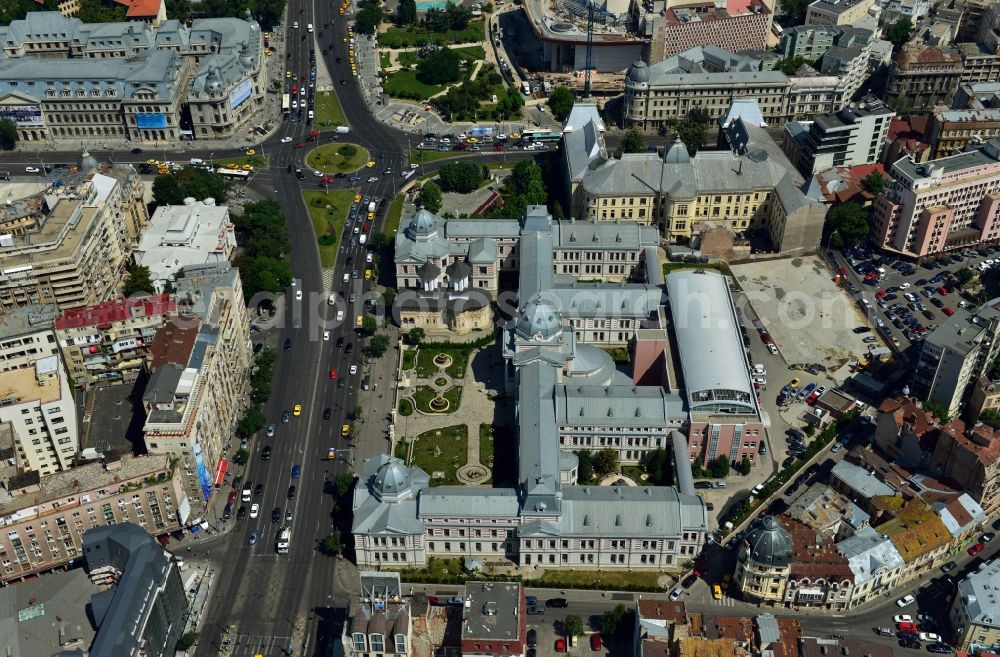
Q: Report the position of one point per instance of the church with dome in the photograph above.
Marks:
(569, 396)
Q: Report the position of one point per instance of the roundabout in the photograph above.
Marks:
(337, 158)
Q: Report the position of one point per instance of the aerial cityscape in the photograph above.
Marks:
(453, 328)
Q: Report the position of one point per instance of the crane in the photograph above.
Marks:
(591, 6)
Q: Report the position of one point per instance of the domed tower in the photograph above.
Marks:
(636, 93)
(392, 482)
(539, 321)
(423, 226)
(764, 561)
(676, 153)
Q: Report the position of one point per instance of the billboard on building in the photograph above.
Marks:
(22, 115)
(240, 93)
(148, 121)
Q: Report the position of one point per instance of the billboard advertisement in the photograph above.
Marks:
(150, 121)
(22, 115)
(240, 93)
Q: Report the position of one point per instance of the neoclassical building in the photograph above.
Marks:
(764, 561)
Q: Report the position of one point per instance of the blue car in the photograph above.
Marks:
(296, 471)
(253, 538)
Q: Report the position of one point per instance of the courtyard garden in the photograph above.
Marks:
(453, 359)
(440, 453)
(428, 400)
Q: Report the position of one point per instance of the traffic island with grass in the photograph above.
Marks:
(328, 210)
(329, 115)
(441, 452)
(337, 158)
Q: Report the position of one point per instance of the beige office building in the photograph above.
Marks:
(838, 12)
(44, 520)
(26, 335)
(70, 245)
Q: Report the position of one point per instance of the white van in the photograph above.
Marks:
(309, 27)
(310, 114)
(347, 277)
(196, 161)
(340, 315)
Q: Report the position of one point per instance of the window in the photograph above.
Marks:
(400, 643)
(378, 642)
(359, 642)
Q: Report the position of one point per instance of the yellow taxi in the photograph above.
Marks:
(288, 74)
(341, 11)
(297, 410)
(515, 135)
(360, 321)
(251, 151)
(794, 383)
(368, 274)
(370, 164)
(371, 215)
(152, 161)
(357, 198)
(472, 140)
(716, 592)
(344, 39)
(268, 53)
(345, 430)
(247, 167)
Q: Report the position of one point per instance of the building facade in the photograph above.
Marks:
(854, 135)
(200, 360)
(951, 130)
(26, 336)
(45, 520)
(975, 610)
(838, 12)
(70, 245)
(109, 342)
(922, 77)
(732, 25)
(940, 205)
(379, 619)
(149, 80)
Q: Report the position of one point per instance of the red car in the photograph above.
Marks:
(295, 90)
(365, 227)
(302, 12)
(326, 179)
(333, 372)
(595, 641)
(976, 549)
(232, 497)
(943, 291)
(560, 645)
(301, 144)
(700, 568)
(948, 311)
(811, 399)
(498, 148)
(906, 627)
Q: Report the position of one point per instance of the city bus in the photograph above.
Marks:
(286, 104)
(236, 174)
(541, 135)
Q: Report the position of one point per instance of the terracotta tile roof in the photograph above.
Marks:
(141, 8)
(737, 628)
(696, 647)
(916, 530)
(663, 610)
(791, 631)
(959, 512)
(653, 648)
(172, 344)
(813, 556)
(116, 310)
(985, 445)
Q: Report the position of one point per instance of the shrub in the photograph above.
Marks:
(348, 150)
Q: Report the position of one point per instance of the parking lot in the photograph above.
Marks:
(907, 302)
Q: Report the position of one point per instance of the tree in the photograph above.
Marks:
(573, 625)
(938, 410)
(616, 621)
(241, 456)
(342, 483)
(187, 640)
(605, 462)
(744, 467)
(416, 336)
(388, 296)
(846, 225)
(369, 325)
(8, 134)
(585, 467)
(873, 183)
(720, 467)
(253, 420)
(369, 18)
(964, 275)
(632, 142)
(95, 11)
(356, 413)
(899, 32)
(441, 67)
(991, 416)
(406, 13)
(137, 281)
(179, 10)
(166, 191)
(379, 345)
(460, 177)
(380, 241)
(789, 65)
(331, 542)
(430, 197)
(658, 467)
(697, 470)
(561, 102)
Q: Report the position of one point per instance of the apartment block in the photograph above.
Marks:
(733, 25)
(45, 519)
(70, 243)
(807, 41)
(26, 335)
(940, 205)
(978, 63)
(109, 342)
(922, 77)
(854, 135)
(950, 131)
(199, 362)
(837, 12)
(981, 95)
(38, 402)
(975, 610)
(970, 454)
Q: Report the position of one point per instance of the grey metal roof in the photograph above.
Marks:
(866, 484)
(629, 511)
(769, 543)
(497, 228)
(538, 440)
(582, 146)
(483, 251)
(591, 365)
(604, 235)
(625, 301)
(712, 358)
(597, 406)
(986, 154)
(536, 264)
(767, 629)
(654, 272)
(869, 554)
(977, 593)
(452, 501)
(374, 513)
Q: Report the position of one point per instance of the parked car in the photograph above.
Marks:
(595, 641)
(557, 603)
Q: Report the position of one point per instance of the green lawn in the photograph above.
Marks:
(337, 158)
(442, 450)
(636, 473)
(328, 112)
(470, 53)
(407, 58)
(402, 449)
(420, 155)
(404, 84)
(594, 579)
(409, 359)
(392, 218)
(328, 211)
(459, 359)
(405, 407)
(407, 37)
(384, 59)
(486, 445)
